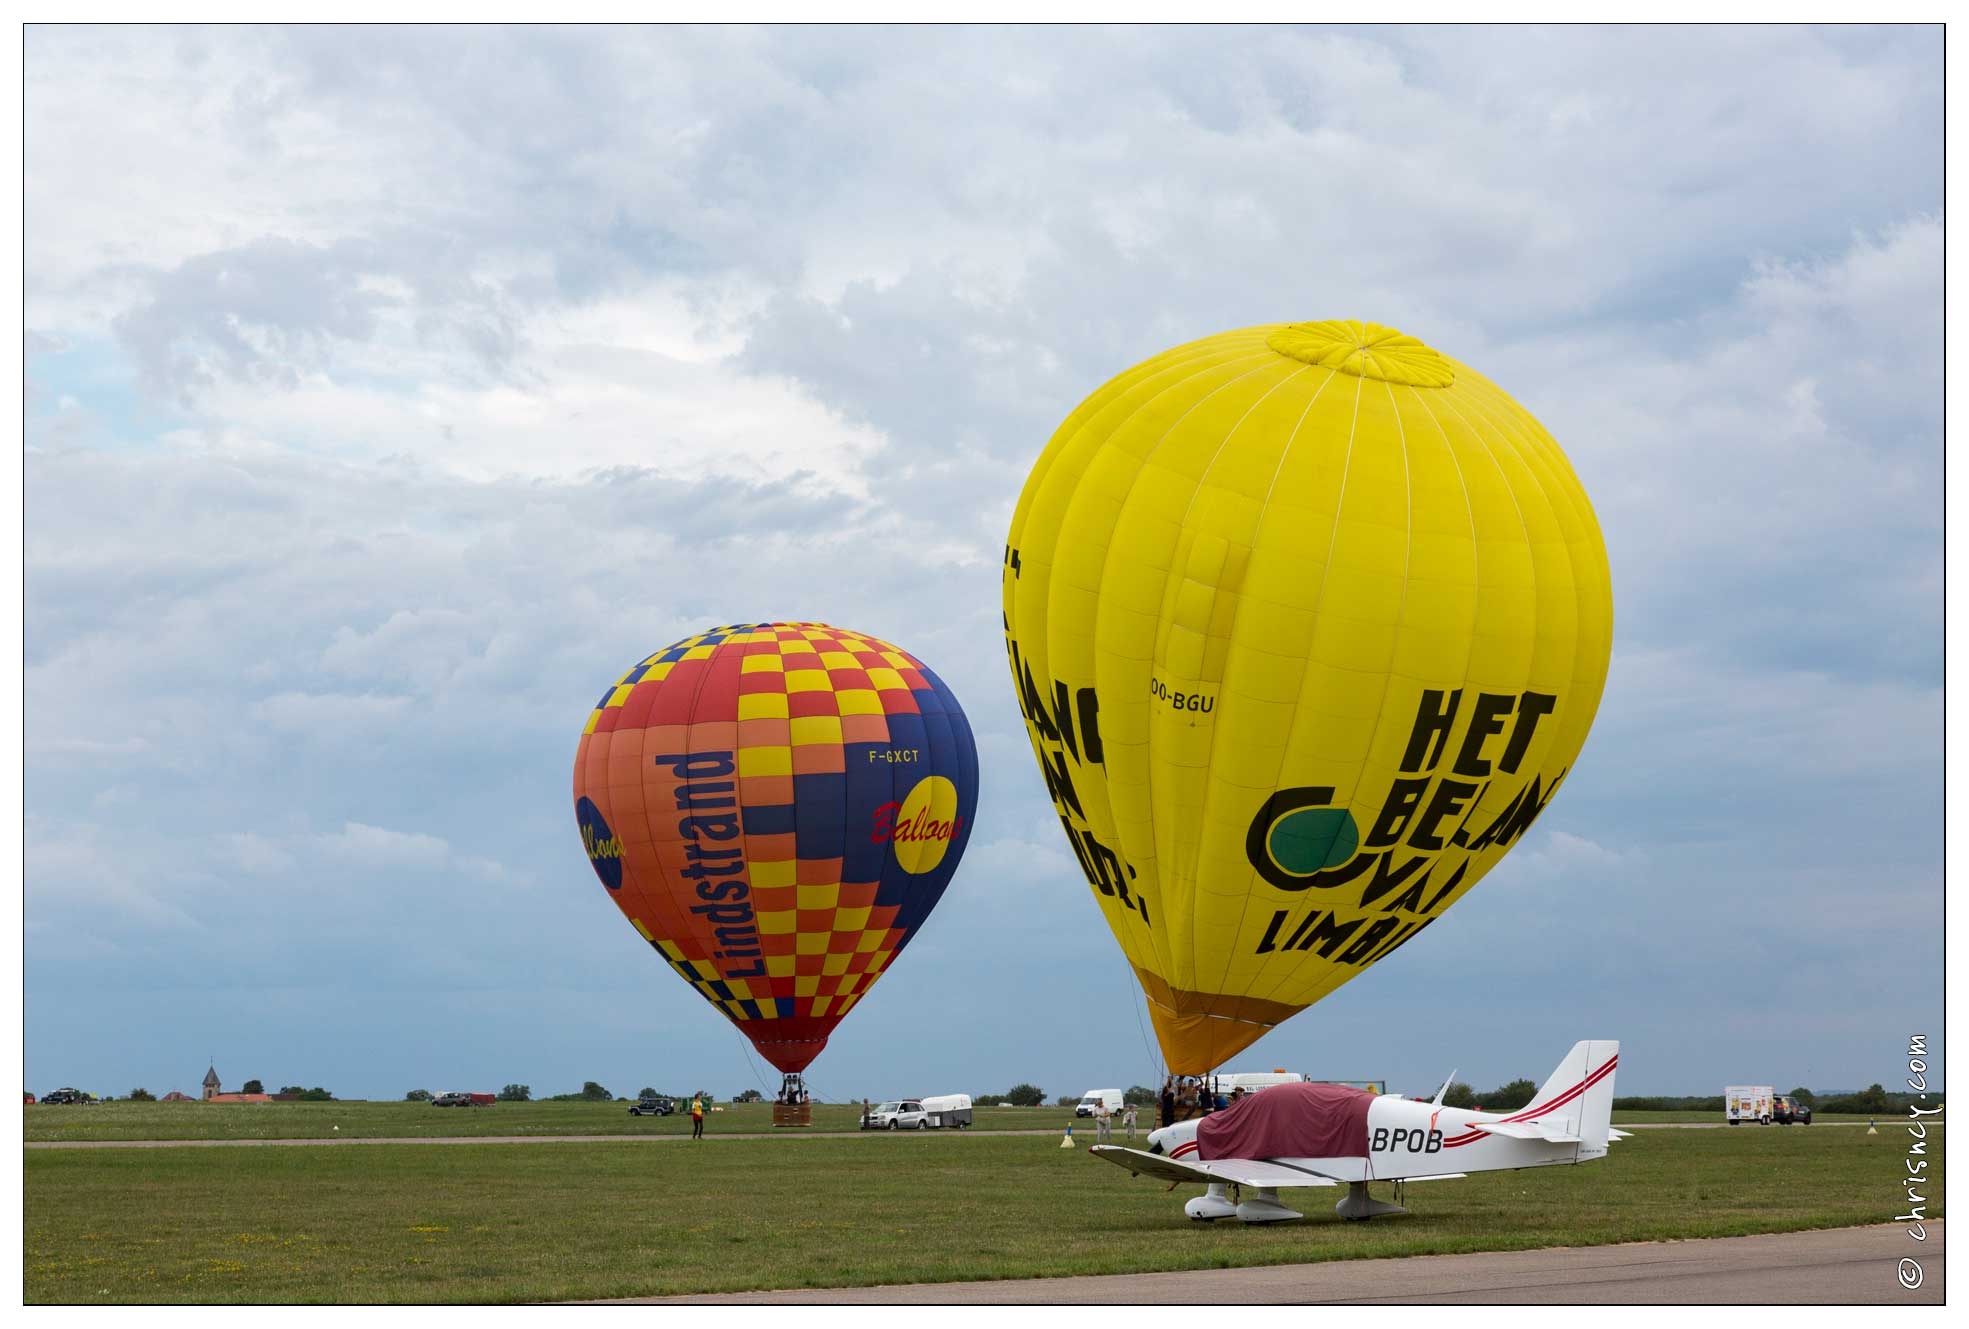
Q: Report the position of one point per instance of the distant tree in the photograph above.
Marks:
(140, 1096)
(646, 1092)
(516, 1093)
(1065, 1100)
(594, 1093)
(252, 1087)
(1025, 1095)
(1138, 1095)
(988, 1100)
(314, 1095)
(1512, 1096)
(1460, 1095)
(748, 1096)
(1873, 1098)
(1805, 1096)
(417, 1096)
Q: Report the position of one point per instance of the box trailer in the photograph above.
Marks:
(1747, 1102)
(948, 1110)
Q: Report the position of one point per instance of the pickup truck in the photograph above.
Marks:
(462, 1100)
(652, 1107)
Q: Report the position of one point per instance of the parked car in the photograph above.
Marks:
(1786, 1110)
(652, 1107)
(455, 1099)
(65, 1096)
(901, 1114)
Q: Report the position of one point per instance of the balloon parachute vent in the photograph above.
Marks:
(1366, 350)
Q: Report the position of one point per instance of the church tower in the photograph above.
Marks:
(211, 1084)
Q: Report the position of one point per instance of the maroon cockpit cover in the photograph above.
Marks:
(1289, 1121)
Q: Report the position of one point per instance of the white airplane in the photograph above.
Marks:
(1330, 1135)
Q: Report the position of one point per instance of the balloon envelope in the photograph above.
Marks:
(1307, 622)
(776, 808)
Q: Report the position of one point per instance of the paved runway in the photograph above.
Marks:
(1859, 1265)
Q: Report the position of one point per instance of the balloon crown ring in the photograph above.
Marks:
(1367, 350)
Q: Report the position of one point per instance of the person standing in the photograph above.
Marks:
(1103, 1119)
(1168, 1101)
(1128, 1119)
(697, 1116)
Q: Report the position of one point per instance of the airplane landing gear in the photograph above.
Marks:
(1358, 1206)
(1264, 1207)
(1213, 1204)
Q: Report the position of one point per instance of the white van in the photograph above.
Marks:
(1091, 1101)
(948, 1110)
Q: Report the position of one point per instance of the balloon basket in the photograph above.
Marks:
(793, 1114)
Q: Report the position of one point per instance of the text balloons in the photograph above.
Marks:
(1308, 622)
(776, 808)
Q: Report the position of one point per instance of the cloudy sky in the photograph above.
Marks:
(391, 392)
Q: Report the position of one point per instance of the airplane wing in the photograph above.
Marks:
(1552, 1132)
(1242, 1171)
(1616, 1135)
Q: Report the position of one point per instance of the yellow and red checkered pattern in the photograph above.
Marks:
(807, 730)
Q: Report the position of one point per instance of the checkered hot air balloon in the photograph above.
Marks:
(776, 808)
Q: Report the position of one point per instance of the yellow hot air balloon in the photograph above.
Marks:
(1308, 623)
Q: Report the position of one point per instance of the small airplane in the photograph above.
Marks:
(1330, 1135)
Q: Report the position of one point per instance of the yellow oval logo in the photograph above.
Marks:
(921, 826)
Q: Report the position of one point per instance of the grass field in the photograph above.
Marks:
(313, 1121)
(547, 1221)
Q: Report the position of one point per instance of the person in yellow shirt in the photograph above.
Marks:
(697, 1117)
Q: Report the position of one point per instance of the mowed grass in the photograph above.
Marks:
(364, 1120)
(320, 1121)
(524, 1222)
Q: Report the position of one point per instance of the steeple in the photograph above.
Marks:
(211, 1082)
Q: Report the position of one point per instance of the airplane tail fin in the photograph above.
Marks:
(1576, 1100)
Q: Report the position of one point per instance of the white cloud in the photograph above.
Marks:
(482, 362)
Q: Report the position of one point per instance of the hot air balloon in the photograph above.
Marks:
(1308, 623)
(776, 808)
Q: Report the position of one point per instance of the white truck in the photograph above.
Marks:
(1090, 1102)
(1747, 1102)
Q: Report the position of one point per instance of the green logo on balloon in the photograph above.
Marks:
(1299, 840)
(1305, 841)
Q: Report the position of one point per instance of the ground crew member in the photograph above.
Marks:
(697, 1117)
(1128, 1119)
(1103, 1132)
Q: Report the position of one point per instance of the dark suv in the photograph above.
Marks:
(65, 1096)
(652, 1107)
(1785, 1110)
